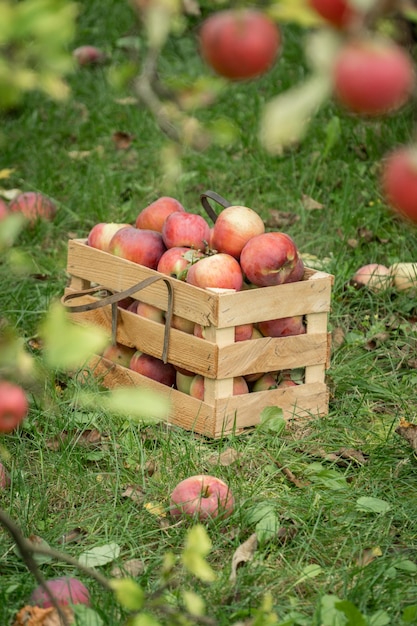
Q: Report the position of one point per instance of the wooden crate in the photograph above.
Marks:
(217, 357)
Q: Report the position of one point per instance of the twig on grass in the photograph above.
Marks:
(288, 473)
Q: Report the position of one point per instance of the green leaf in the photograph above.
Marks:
(85, 616)
(329, 615)
(136, 403)
(372, 505)
(197, 546)
(409, 615)
(193, 603)
(329, 478)
(258, 512)
(128, 593)
(379, 618)
(67, 345)
(353, 615)
(100, 555)
(406, 565)
(333, 133)
(10, 229)
(309, 571)
(272, 420)
(267, 527)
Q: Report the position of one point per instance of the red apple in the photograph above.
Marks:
(88, 55)
(154, 368)
(4, 478)
(65, 591)
(239, 43)
(240, 386)
(154, 215)
(297, 272)
(265, 382)
(374, 275)
(269, 259)
(202, 497)
(372, 76)
(14, 406)
(4, 209)
(181, 323)
(101, 234)
(187, 230)
(243, 332)
(175, 261)
(283, 327)
(150, 311)
(33, 205)
(119, 353)
(220, 271)
(287, 382)
(234, 227)
(399, 181)
(338, 13)
(140, 246)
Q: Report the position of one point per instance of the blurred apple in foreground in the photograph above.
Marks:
(201, 497)
(283, 327)
(65, 590)
(33, 205)
(374, 276)
(234, 226)
(221, 271)
(140, 246)
(154, 215)
(153, 367)
(399, 181)
(88, 55)
(269, 259)
(101, 234)
(338, 13)
(13, 406)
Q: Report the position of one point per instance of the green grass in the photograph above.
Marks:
(372, 379)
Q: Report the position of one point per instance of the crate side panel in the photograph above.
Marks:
(239, 412)
(185, 411)
(148, 336)
(268, 354)
(102, 268)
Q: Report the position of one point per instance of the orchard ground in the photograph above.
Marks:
(350, 523)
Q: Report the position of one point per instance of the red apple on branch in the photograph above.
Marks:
(234, 227)
(154, 215)
(13, 406)
(140, 246)
(269, 259)
(202, 498)
(220, 271)
(239, 43)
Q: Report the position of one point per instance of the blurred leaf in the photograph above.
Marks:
(295, 11)
(135, 403)
(197, 547)
(68, 345)
(321, 47)
(409, 615)
(267, 527)
(193, 603)
(86, 616)
(143, 619)
(372, 505)
(333, 133)
(128, 593)
(155, 509)
(11, 226)
(272, 420)
(379, 618)
(353, 615)
(329, 478)
(100, 555)
(6, 173)
(308, 572)
(310, 204)
(286, 117)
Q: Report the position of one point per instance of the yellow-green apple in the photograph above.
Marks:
(265, 382)
(372, 76)
(33, 205)
(64, 589)
(399, 181)
(154, 368)
(140, 246)
(101, 234)
(119, 353)
(283, 327)
(188, 230)
(88, 55)
(4, 477)
(234, 226)
(269, 259)
(150, 311)
(175, 261)
(243, 332)
(181, 323)
(240, 386)
(183, 381)
(404, 276)
(239, 44)
(14, 406)
(202, 497)
(154, 215)
(220, 270)
(339, 13)
(4, 209)
(375, 276)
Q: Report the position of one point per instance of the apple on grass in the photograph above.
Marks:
(14, 406)
(33, 205)
(234, 226)
(239, 43)
(202, 498)
(65, 590)
(88, 55)
(221, 271)
(186, 230)
(152, 367)
(140, 246)
(375, 276)
(101, 234)
(269, 259)
(283, 327)
(153, 216)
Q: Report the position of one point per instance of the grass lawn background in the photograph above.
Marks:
(366, 557)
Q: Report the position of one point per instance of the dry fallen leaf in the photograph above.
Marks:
(227, 457)
(310, 204)
(338, 337)
(408, 431)
(155, 509)
(243, 554)
(132, 567)
(368, 555)
(121, 140)
(281, 219)
(134, 492)
(73, 536)
(36, 616)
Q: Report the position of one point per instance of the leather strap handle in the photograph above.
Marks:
(114, 297)
(212, 195)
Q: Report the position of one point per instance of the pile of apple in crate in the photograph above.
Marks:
(227, 323)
